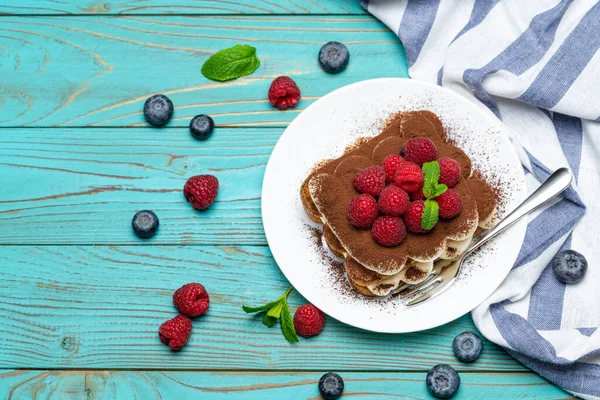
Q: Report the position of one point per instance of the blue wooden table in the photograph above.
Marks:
(81, 297)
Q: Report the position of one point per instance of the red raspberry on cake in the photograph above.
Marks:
(363, 211)
(201, 191)
(414, 216)
(370, 180)
(450, 204)
(420, 150)
(388, 231)
(449, 171)
(191, 300)
(308, 320)
(393, 201)
(284, 93)
(390, 165)
(417, 195)
(409, 177)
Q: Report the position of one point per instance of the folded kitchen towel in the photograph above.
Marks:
(536, 66)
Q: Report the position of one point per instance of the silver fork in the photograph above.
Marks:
(442, 277)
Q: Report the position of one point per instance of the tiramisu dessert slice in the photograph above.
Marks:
(394, 204)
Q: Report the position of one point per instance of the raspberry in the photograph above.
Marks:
(175, 332)
(390, 165)
(393, 201)
(284, 93)
(363, 211)
(201, 191)
(309, 320)
(409, 177)
(388, 231)
(449, 171)
(370, 181)
(417, 195)
(414, 215)
(191, 300)
(420, 150)
(450, 204)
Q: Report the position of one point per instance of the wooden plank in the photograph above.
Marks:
(260, 385)
(106, 7)
(84, 185)
(101, 306)
(77, 71)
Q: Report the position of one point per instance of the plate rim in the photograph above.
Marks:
(521, 226)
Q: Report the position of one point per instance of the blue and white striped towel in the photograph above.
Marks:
(536, 65)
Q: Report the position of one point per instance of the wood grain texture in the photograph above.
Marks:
(100, 307)
(115, 7)
(147, 385)
(77, 71)
(84, 185)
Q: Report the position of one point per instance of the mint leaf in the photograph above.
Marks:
(287, 324)
(275, 311)
(257, 309)
(439, 189)
(430, 214)
(231, 63)
(269, 321)
(431, 175)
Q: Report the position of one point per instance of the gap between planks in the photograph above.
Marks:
(87, 15)
(261, 371)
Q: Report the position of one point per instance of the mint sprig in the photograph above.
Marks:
(430, 215)
(231, 63)
(431, 176)
(431, 189)
(277, 310)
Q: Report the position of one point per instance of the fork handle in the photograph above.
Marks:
(552, 187)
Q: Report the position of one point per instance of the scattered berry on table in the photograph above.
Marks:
(393, 201)
(191, 300)
(284, 93)
(414, 215)
(308, 320)
(334, 57)
(175, 332)
(201, 191)
(409, 177)
(201, 126)
(331, 386)
(388, 231)
(442, 381)
(390, 165)
(467, 347)
(420, 150)
(450, 204)
(370, 180)
(569, 266)
(158, 109)
(363, 211)
(144, 223)
(449, 171)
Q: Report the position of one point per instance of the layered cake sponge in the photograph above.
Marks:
(429, 217)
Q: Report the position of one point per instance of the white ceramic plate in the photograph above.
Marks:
(322, 131)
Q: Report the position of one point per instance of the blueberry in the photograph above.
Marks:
(467, 347)
(334, 57)
(158, 109)
(201, 126)
(145, 223)
(569, 266)
(443, 381)
(331, 386)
